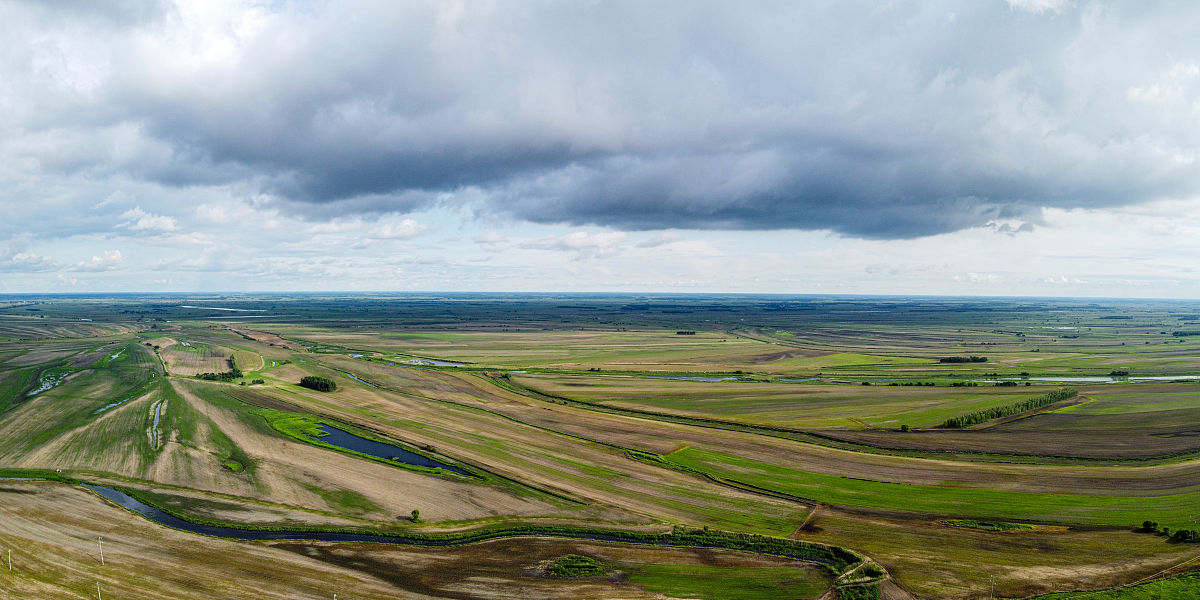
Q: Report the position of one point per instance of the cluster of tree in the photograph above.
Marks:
(1184, 333)
(685, 333)
(1118, 373)
(1186, 535)
(910, 383)
(964, 384)
(321, 384)
(963, 359)
(997, 412)
(1179, 535)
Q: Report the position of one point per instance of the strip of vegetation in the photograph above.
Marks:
(987, 525)
(997, 412)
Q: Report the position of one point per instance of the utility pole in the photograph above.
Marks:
(100, 540)
(992, 593)
(10, 560)
(98, 591)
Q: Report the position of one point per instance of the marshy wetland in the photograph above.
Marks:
(793, 446)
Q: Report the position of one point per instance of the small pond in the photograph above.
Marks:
(349, 441)
(432, 362)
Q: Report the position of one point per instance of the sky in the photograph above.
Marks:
(992, 147)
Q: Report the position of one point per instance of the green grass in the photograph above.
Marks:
(1174, 510)
(729, 583)
(14, 386)
(1184, 586)
(344, 501)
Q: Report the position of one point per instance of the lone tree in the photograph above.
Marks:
(321, 384)
(416, 515)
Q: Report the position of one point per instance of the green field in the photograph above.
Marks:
(725, 583)
(1177, 510)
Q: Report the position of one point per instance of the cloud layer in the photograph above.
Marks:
(870, 120)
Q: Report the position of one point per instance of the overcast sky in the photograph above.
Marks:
(991, 147)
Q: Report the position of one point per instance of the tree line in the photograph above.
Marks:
(987, 414)
(963, 359)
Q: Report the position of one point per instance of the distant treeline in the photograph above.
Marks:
(685, 333)
(963, 359)
(321, 384)
(233, 373)
(988, 414)
(1184, 333)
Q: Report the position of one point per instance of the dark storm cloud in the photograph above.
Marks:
(883, 121)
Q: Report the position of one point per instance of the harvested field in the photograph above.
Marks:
(193, 358)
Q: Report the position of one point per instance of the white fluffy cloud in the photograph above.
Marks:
(136, 219)
(110, 260)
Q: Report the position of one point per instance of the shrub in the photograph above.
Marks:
(859, 592)
(574, 565)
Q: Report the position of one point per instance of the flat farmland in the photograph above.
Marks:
(592, 436)
(801, 405)
(1112, 422)
(658, 350)
(1086, 494)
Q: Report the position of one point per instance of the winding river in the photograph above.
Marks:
(835, 558)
